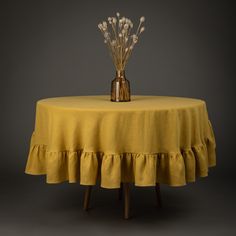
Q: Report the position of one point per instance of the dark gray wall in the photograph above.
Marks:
(53, 48)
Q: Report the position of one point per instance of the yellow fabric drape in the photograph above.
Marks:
(150, 139)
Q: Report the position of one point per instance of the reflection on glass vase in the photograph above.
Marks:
(120, 88)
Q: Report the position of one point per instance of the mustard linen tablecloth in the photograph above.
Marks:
(150, 139)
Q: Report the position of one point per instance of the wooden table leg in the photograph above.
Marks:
(127, 200)
(158, 195)
(120, 191)
(87, 194)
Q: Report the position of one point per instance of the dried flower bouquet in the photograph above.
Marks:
(119, 38)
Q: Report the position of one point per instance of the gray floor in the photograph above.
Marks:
(31, 207)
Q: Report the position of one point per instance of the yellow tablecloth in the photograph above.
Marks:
(150, 139)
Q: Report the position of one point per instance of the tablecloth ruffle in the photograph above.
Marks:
(172, 168)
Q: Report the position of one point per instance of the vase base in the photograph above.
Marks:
(120, 100)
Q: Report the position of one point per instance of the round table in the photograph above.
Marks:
(152, 139)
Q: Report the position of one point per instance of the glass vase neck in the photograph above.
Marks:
(120, 74)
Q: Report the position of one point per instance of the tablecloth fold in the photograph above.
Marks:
(173, 168)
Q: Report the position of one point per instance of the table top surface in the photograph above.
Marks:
(138, 102)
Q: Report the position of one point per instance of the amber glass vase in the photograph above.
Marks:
(120, 88)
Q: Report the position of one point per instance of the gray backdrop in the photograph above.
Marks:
(54, 48)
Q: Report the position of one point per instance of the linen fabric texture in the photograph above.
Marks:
(152, 139)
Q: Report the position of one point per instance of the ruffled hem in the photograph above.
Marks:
(172, 168)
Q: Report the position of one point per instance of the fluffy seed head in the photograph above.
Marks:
(142, 19)
(126, 26)
(135, 38)
(142, 29)
(100, 26)
(114, 20)
(106, 35)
